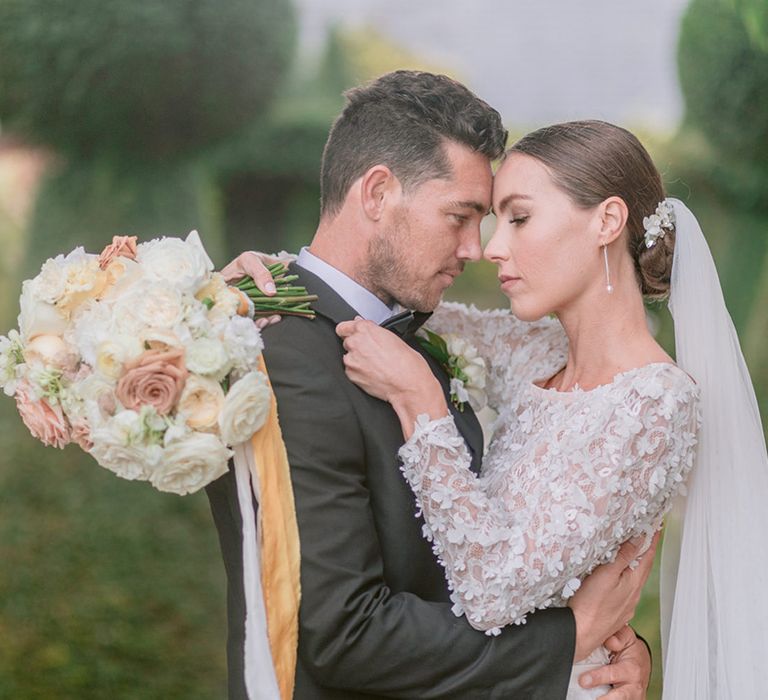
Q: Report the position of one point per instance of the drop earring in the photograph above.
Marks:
(608, 285)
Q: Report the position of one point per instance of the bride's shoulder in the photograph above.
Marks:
(663, 384)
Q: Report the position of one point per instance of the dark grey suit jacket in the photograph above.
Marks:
(375, 618)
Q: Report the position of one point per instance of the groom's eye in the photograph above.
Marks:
(460, 218)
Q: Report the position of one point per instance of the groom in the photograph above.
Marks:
(406, 180)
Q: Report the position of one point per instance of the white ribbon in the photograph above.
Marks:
(260, 678)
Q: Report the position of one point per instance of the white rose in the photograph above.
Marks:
(11, 361)
(243, 343)
(201, 403)
(117, 446)
(38, 317)
(475, 371)
(92, 324)
(196, 319)
(51, 281)
(246, 408)
(158, 339)
(184, 264)
(148, 304)
(207, 356)
(189, 464)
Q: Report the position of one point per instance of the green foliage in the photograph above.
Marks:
(754, 14)
(141, 79)
(724, 78)
(87, 203)
(107, 587)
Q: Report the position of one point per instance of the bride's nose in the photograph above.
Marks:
(495, 250)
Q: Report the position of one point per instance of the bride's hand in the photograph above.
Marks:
(254, 265)
(384, 366)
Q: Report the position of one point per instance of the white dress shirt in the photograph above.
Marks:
(365, 302)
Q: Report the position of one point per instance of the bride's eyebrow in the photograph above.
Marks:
(504, 203)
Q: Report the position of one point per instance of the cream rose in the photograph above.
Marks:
(49, 350)
(207, 356)
(185, 264)
(246, 408)
(38, 317)
(190, 464)
(201, 403)
(112, 354)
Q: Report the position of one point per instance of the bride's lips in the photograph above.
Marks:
(508, 281)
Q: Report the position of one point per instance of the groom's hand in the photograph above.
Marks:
(608, 597)
(629, 671)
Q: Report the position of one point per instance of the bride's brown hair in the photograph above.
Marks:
(592, 160)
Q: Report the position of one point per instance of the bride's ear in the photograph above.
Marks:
(613, 214)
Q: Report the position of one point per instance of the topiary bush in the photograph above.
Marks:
(724, 79)
(145, 79)
(84, 203)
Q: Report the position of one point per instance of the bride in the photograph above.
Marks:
(597, 426)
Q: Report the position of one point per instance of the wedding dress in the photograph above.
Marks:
(567, 478)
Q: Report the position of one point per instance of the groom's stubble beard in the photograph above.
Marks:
(392, 274)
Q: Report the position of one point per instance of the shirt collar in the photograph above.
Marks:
(362, 300)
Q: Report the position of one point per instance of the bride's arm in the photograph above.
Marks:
(528, 546)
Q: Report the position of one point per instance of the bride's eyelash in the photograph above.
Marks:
(518, 220)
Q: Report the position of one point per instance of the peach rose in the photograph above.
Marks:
(155, 378)
(46, 423)
(121, 246)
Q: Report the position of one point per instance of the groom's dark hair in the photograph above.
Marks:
(402, 120)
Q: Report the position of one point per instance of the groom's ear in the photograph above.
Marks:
(378, 187)
(613, 215)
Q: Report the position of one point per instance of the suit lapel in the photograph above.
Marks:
(331, 306)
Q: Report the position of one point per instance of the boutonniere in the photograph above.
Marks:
(464, 366)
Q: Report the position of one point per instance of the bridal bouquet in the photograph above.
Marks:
(144, 357)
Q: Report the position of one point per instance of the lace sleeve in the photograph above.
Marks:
(563, 505)
(514, 351)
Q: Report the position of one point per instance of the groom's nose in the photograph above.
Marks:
(470, 248)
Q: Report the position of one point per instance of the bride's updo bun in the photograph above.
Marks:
(593, 160)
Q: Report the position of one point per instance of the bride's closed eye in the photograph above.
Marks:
(519, 220)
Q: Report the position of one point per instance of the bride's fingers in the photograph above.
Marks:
(266, 321)
(348, 328)
(250, 264)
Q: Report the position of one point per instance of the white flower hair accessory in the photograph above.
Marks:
(657, 224)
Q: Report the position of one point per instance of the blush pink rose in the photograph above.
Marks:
(154, 378)
(121, 246)
(81, 435)
(46, 423)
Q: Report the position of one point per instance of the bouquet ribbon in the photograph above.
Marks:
(271, 560)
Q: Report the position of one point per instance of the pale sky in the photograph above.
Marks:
(539, 61)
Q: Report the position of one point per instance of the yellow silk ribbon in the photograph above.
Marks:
(280, 555)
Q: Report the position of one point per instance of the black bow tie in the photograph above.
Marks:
(406, 322)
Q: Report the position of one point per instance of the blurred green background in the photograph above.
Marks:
(155, 118)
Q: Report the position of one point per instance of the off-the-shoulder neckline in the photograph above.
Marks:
(616, 379)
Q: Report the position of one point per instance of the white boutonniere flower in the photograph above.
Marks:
(461, 361)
